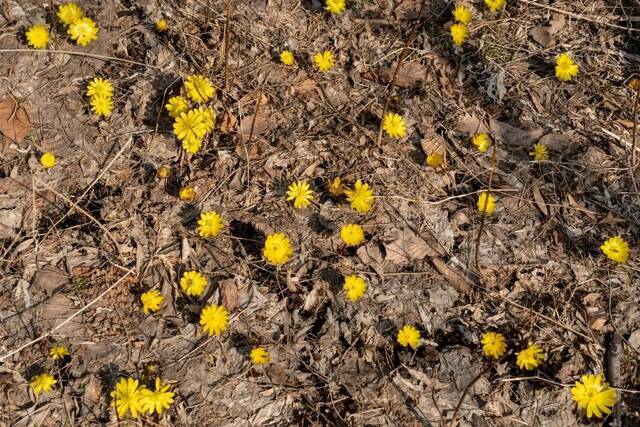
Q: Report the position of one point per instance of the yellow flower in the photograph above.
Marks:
(157, 400)
(394, 125)
(324, 61)
(161, 25)
(210, 224)
(151, 301)
(163, 172)
(68, 13)
(566, 69)
(101, 105)
(190, 128)
(530, 357)
(335, 187)
(486, 203)
(540, 152)
(355, 287)
(495, 5)
(100, 87)
(127, 397)
(352, 234)
(176, 106)
(493, 344)
(301, 194)
(335, 6)
(361, 197)
(409, 336)
(37, 36)
(214, 319)
(277, 249)
(199, 88)
(435, 159)
(193, 283)
(48, 160)
(286, 57)
(482, 141)
(594, 395)
(459, 33)
(58, 352)
(260, 356)
(462, 14)
(42, 383)
(616, 249)
(187, 194)
(209, 117)
(83, 31)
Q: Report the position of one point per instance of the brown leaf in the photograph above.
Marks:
(403, 246)
(512, 135)
(454, 277)
(537, 196)
(227, 123)
(470, 125)
(260, 126)
(229, 294)
(306, 87)
(14, 121)
(409, 74)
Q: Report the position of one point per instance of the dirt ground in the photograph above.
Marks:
(79, 243)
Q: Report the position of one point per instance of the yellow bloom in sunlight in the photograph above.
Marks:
(530, 357)
(42, 383)
(324, 61)
(260, 356)
(176, 106)
(37, 36)
(394, 125)
(58, 352)
(193, 283)
(210, 224)
(495, 5)
(459, 33)
(616, 249)
(127, 397)
(68, 13)
(277, 249)
(209, 117)
(99, 87)
(214, 319)
(187, 194)
(286, 57)
(409, 336)
(151, 301)
(593, 395)
(540, 152)
(101, 105)
(494, 345)
(199, 88)
(83, 31)
(335, 6)
(335, 187)
(48, 160)
(486, 203)
(190, 128)
(361, 197)
(301, 194)
(462, 14)
(163, 172)
(355, 287)
(352, 234)
(566, 69)
(157, 400)
(161, 25)
(435, 160)
(482, 142)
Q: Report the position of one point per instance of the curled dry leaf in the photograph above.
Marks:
(260, 126)
(14, 120)
(409, 74)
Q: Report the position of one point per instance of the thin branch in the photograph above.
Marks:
(226, 46)
(88, 55)
(484, 208)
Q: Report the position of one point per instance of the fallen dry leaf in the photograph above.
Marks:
(512, 135)
(403, 246)
(227, 123)
(454, 277)
(409, 74)
(14, 120)
(260, 126)
(229, 294)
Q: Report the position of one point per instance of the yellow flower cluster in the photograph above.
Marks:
(151, 301)
(566, 69)
(42, 383)
(100, 93)
(131, 397)
(37, 36)
(394, 125)
(191, 125)
(409, 336)
(81, 29)
(260, 356)
(460, 30)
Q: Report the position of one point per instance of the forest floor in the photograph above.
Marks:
(79, 243)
